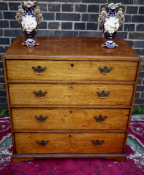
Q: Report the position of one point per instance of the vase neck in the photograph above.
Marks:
(112, 12)
(29, 10)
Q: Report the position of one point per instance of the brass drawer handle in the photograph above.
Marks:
(97, 142)
(40, 94)
(42, 143)
(103, 94)
(38, 70)
(100, 119)
(105, 70)
(41, 119)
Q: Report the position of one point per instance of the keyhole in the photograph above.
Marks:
(71, 88)
(69, 135)
(72, 65)
(70, 112)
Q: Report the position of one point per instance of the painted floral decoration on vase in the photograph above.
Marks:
(29, 18)
(110, 21)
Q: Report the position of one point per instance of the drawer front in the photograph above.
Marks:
(67, 94)
(69, 142)
(71, 70)
(70, 118)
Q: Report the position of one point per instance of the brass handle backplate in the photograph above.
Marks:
(105, 70)
(100, 119)
(38, 70)
(42, 143)
(41, 119)
(97, 142)
(40, 94)
(103, 94)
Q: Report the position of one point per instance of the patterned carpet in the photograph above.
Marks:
(133, 166)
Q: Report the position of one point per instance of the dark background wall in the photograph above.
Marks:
(75, 18)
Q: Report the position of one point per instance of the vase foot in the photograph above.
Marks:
(30, 43)
(110, 44)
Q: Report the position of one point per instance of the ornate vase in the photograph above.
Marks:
(29, 18)
(110, 21)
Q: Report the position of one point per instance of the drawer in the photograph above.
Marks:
(70, 118)
(69, 142)
(68, 94)
(71, 70)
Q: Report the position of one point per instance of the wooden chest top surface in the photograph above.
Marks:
(66, 48)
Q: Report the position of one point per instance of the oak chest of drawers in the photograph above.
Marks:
(69, 97)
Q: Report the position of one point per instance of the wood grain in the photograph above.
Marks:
(85, 94)
(73, 106)
(71, 70)
(71, 81)
(70, 118)
(23, 157)
(63, 143)
(58, 48)
(67, 130)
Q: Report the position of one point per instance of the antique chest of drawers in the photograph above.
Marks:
(70, 97)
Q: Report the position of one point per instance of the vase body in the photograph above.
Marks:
(111, 20)
(29, 18)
